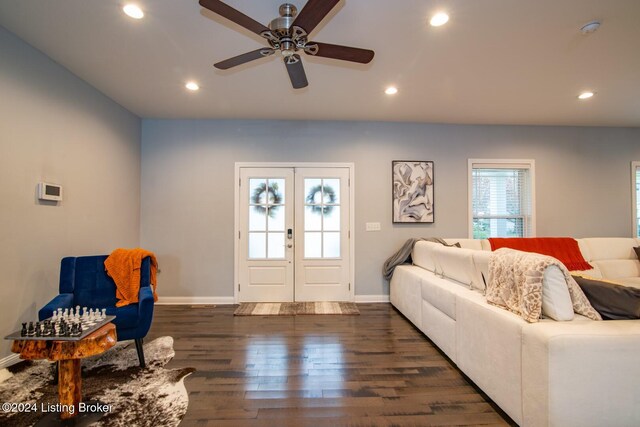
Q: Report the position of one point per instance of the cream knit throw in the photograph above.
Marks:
(516, 284)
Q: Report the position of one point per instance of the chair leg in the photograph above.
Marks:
(140, 352)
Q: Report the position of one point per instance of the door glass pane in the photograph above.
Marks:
(266, 214)
(332, 218)
(312, 191)
(276, 218)
(312, 245)
(257, 218)
(257, 193)
(276, 191)
(257, 245)
(331, 245)
(331, 191)
(312, 219)
(276, 245)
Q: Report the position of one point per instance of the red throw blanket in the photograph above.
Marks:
(564, 249)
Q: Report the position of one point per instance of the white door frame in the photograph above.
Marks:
(236, 216)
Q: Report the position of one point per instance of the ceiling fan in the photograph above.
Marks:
(288, 34)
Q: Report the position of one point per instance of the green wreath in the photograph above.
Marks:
(272, 197)
(322, 208)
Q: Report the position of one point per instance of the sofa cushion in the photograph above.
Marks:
(440, 292)
(481, 262)
(615, 268)
(423, 256)
(606, 248)
(466, 243)
(456, 264)
(611, 300)
(556, 300)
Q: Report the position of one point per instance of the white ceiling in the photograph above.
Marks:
(495, 62)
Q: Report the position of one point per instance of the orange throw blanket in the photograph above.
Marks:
(123, 266)
(564, 249)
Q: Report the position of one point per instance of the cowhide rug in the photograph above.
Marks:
(154, 396)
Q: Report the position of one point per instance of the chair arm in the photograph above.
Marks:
(145, 309)
(60, 301)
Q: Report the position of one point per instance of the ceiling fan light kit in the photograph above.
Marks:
(288, 34)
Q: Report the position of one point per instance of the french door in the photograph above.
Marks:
(293, 234)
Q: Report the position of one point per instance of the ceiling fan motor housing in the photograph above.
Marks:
(280, 26)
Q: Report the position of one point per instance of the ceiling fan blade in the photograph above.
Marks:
(234, 15)
(244, 58)
(312, 13)
(296, 71)
(344, 53)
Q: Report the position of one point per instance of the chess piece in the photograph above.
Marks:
(23, 331)
(38, 330)
(30, 330)
(104, 314)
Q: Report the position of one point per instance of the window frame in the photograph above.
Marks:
(635, 167)
(528, 164)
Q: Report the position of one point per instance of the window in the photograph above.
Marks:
(635, 197)
(501, 198)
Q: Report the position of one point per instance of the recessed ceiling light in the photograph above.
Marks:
(590, 27)
(133, 11)
(193, 86)
(439, 19)
(391, 90)
(586, 95)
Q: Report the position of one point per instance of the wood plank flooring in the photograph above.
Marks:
(375, 369)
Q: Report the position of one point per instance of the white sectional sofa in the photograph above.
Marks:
(550, 373)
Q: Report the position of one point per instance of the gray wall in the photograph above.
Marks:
(582, 177)
(54, 127)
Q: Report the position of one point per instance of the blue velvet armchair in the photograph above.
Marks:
(84, 282)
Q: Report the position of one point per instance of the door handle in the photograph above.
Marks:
(289, 245)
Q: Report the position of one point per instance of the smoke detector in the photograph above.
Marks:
(590, 27)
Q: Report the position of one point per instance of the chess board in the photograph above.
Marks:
(88, 326)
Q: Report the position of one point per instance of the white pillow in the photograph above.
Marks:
(556, 301)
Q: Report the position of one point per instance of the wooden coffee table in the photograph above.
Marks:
(68, 355)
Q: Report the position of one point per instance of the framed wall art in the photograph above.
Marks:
(412, 191)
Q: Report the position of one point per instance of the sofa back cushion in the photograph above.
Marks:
(423, 255)
(475, 244)
(456, 264)
(481, 262)
(612, 257)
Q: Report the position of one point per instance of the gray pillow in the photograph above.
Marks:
(612, 301)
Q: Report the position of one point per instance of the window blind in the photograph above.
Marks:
(501, 201)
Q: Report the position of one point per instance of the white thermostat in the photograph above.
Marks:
(48, 191)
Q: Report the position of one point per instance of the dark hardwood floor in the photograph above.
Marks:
(375, 369)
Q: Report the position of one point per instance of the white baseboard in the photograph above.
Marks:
(195, 301)
(372, 298)
(12, 359)
(230, 300)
